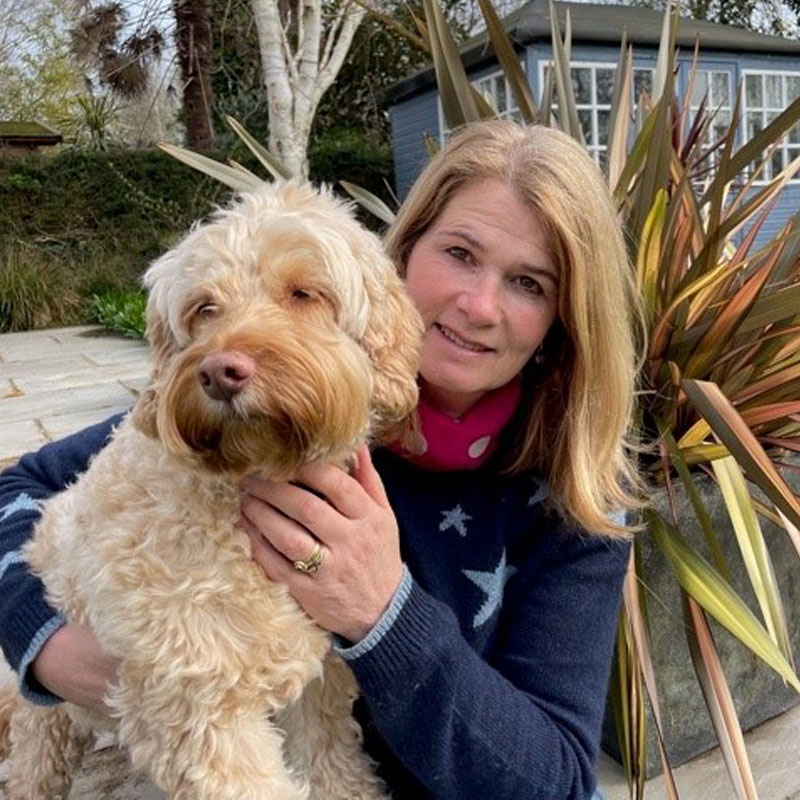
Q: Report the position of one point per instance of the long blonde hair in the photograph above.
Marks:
(574, 426)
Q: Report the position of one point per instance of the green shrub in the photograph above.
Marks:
(31, 295)
(122, 311)
(80, 224)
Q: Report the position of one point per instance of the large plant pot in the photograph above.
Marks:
(759, 693)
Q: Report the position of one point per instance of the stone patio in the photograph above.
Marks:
(58, 381)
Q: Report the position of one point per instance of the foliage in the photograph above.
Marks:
(38, 79)
(120, 58)
(236, 71)
(379, 57)
(122, 311)
(765, 16)
(32, 296)
(80, 223)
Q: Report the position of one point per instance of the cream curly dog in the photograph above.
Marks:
(281, 335)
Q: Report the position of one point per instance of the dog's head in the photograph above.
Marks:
(281, 333)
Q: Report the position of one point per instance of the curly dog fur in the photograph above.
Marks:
(226, 690)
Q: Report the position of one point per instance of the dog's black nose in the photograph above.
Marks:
(223, 375)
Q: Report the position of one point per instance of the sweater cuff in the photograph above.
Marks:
(350, 652)
(413, 645)
(30, 688)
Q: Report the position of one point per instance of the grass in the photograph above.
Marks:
(32, 295)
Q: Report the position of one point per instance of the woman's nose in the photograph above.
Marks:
(481, 301)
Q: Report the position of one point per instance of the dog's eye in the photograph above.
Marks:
(206, 310)
(300, 294)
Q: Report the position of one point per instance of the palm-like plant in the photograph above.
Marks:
(722, 373)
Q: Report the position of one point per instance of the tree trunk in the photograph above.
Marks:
(193, 40)
(302, 50)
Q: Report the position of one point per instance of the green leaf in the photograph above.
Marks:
(732, 430)
(700, 511)
(272, 163)
(509, 61)
(754, 550)
(702, 582)
(230, 176)
(567, 108)
(719, 701)
(455, 90)
(371, 202)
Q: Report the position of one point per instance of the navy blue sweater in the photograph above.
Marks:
(487, 677)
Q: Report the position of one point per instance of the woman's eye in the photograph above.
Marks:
(529, 284)
(460, 254)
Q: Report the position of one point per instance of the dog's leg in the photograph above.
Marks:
(323, 740)
(200, 741)
(46, 751)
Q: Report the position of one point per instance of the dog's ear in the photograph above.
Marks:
(392, 341)
(162, 348)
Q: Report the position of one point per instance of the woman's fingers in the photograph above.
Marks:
(291, 540)
(366, 474)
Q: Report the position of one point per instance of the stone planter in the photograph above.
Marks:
(759, 693)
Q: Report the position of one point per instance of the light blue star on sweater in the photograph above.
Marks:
(455, 518)
(492, 583)
(22, 502)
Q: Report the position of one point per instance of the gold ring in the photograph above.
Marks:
(312, 563)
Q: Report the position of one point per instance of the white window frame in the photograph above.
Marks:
(593, 144)
(788, 156)
(444, 131)
(713, 106)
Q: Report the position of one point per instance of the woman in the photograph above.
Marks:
(472, 572)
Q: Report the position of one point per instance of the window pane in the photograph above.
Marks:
(720, 91)
(582, 84)
(777, 162)
(605, 85)
(792, 88)
(500, 88)
(699, 88)
(602, 126)
(585, 118)
(718, 132)
(602, 159)
(794, 134)
(753, 91)
(753, 123)
(642, 82)
(774, 91)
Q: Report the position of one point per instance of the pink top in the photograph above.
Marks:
(445, 443)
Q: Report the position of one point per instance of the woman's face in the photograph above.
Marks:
(485, 281)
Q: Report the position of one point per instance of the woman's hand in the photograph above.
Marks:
(355, 528)
(73, 666)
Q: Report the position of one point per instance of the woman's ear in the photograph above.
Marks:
(392, 341)
(162, 346)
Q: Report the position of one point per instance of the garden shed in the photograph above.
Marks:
(768, 68)
(26, 137)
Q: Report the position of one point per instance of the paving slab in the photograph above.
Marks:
(57, 381)
(60, 400)
(772, 747)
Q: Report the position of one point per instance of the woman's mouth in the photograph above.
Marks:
(464, 344)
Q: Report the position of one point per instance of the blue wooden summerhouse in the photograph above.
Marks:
(767, 66)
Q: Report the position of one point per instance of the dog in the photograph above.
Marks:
(281, 335)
